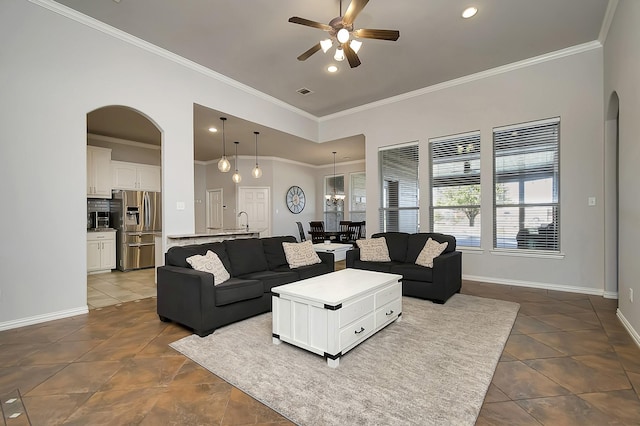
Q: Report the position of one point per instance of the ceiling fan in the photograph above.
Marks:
(341, 30)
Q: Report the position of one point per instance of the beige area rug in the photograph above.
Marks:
(432, 368)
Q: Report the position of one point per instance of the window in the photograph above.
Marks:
(399, 188)
(333, 212)
(526, 185)
(455, 187)
(358, 197)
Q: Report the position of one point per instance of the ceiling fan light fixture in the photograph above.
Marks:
(339, 56)
(355, 45)
(343, 35)
(469, 12)
(326, 44)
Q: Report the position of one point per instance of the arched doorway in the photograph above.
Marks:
(128, 144)
(611, 230)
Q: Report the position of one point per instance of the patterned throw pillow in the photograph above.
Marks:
(430, 251)
(374, 250)
(300, 254)
(210, 263)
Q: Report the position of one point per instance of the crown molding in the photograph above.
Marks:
(280, 160)
(608, 19)
(585, 47)
(135, 41)
(96, 137)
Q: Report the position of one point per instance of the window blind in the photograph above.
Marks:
(399, 188)
(358, 198)
(455, 187)
(526, 185)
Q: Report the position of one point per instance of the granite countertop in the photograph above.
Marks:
(91, 230)
(218, 231)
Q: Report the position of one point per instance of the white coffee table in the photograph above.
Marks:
(339, 250)
(331, 314)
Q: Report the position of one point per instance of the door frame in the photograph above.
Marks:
(240, 206)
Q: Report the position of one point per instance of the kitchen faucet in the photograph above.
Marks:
(245, 213)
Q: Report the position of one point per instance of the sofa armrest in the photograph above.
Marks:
(352, 256)
(327, 259)
(447, 270)
(184, 295)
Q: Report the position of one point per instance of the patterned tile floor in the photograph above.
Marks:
(568, 361)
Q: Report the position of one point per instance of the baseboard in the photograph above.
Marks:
(610, 295)
(632, 332)
(8, 325)
(533, 284)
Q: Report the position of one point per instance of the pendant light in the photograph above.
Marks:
(334, 199)
(256, 172)
(236, 176)
(224, 165)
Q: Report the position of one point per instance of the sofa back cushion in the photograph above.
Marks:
(397, 245)
(246, 256)
(416, 243)
(177, 256)
(274, 252)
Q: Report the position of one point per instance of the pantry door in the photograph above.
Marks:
(256, 201)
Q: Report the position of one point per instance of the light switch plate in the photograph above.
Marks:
(180, 205)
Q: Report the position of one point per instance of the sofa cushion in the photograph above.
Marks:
(412, 272)
(246, 256)
(373, 250)
(211, 264)
(416, 243)
(274, 252)
(272, 279)
(397, 244)
(300, 254)
(237, 290)
(431, 250)
(374, 266)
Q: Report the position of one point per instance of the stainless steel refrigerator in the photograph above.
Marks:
(137, 217)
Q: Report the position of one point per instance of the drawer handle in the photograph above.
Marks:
(390, 312)
(359, 331)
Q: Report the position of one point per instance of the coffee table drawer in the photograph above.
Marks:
(357, 331)
(388, 294)
(388, 313)
(355, 310)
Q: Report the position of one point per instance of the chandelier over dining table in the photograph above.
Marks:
(334, 199)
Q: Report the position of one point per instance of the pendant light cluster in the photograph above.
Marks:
(224, 165)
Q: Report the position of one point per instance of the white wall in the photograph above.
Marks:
(569, 87)
(54, 71)
(621, 71)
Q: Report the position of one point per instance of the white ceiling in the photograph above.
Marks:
(252, 42)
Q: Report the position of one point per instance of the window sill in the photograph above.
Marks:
(541, 254)
(470, 250)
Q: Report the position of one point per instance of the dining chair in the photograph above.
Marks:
(316, 229)
(353, 233)
(343, 228)
(301, 231)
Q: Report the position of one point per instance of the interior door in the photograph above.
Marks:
(256, 201)
(214, 208)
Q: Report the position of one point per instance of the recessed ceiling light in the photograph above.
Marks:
(332, 68)
(213, 129)
(469, 12)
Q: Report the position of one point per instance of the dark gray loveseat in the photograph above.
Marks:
(189, 297)
(437, 284)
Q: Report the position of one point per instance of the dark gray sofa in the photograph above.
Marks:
(189, 297)
(437, 284)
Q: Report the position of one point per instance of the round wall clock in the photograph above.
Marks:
(295, 199)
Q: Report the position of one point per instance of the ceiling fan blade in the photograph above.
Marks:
(352, 56)
(308, 23)
(309, 52)
(353, 10)
(392, 35)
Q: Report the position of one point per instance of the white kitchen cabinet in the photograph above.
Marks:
(101, 251)
(98, 172)
(134, 176)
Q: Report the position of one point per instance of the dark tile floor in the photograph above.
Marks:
(568, 361)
